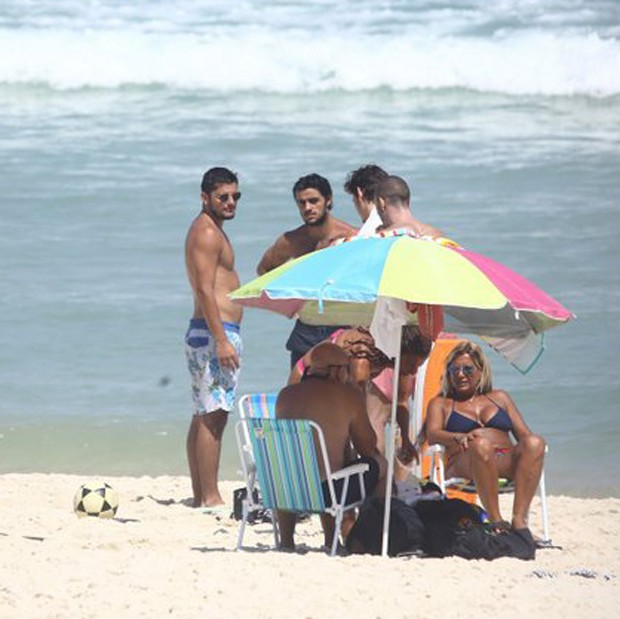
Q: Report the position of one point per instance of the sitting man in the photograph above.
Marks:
(326, 396)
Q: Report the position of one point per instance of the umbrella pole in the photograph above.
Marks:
(389, 451)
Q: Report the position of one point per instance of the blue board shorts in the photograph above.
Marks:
(213, 387)
(303, 337)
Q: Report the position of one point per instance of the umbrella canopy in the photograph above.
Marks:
(340, 285)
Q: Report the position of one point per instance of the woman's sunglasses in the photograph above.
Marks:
(468, 370)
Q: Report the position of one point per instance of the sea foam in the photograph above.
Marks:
(246, 58)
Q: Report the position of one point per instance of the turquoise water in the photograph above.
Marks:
(504, 120)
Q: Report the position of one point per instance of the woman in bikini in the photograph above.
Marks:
(475, 422)
(366, 362)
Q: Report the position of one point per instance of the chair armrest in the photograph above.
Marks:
(434, 449)
(348, 471)
(436, 453)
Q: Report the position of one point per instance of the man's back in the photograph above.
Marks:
(338, 408)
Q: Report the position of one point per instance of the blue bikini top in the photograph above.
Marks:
(457, 422)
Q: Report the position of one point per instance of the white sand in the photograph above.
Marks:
(160, 558)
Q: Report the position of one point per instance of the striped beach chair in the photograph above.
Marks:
(287, 471)
(261, 405)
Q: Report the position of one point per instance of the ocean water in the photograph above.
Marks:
(504, 118)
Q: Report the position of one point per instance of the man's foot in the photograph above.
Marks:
(216, 510)
(519, 523)
(287, 548)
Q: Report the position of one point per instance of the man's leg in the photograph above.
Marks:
(208, 448)
(329, 528)
(192, 460)
(286, 525)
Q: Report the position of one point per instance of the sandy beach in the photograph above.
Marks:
(159, 558)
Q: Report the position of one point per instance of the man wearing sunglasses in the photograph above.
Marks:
(313, 196)
(212, 343)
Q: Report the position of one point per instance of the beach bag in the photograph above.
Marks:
(366, 535)
(481, 543)
(444, 520)
(254, 515)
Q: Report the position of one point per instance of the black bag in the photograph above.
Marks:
(455, 527)
(480, 543)
(254, 515)
(366, 535)
(443, 521)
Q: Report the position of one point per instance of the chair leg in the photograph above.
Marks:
(437, 472)
(244, 520)
(337, 528)
(543, 507)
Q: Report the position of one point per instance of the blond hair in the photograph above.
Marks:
(480, 361)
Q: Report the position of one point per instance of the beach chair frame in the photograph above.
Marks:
(286, 468)
(261, 405)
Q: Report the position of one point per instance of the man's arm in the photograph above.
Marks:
(363, 436)
(276, 255)
(407, 451)
(360, 371)
(204, 255)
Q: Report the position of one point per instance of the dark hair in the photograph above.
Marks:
(366, 179)
(364, 347)
(217, 176)
(313, 181)
(393, 189)
(360, 344)
(415, 343)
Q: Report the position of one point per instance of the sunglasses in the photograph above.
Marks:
(224, 197)
(468, 370)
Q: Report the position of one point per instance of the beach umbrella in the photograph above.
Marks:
(369, 281)
(340, 285)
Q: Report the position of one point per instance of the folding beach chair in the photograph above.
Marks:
(261, 405)
(463, 485)
(286, 463)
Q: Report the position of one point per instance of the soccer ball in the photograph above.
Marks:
(95, 498)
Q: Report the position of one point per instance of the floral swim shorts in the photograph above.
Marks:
(213, 387)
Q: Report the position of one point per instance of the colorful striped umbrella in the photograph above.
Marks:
(340, 285)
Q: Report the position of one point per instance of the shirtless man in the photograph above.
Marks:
(392, 198)
(327, 397)
(361, 185)
(212, 343)
(313, 195)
